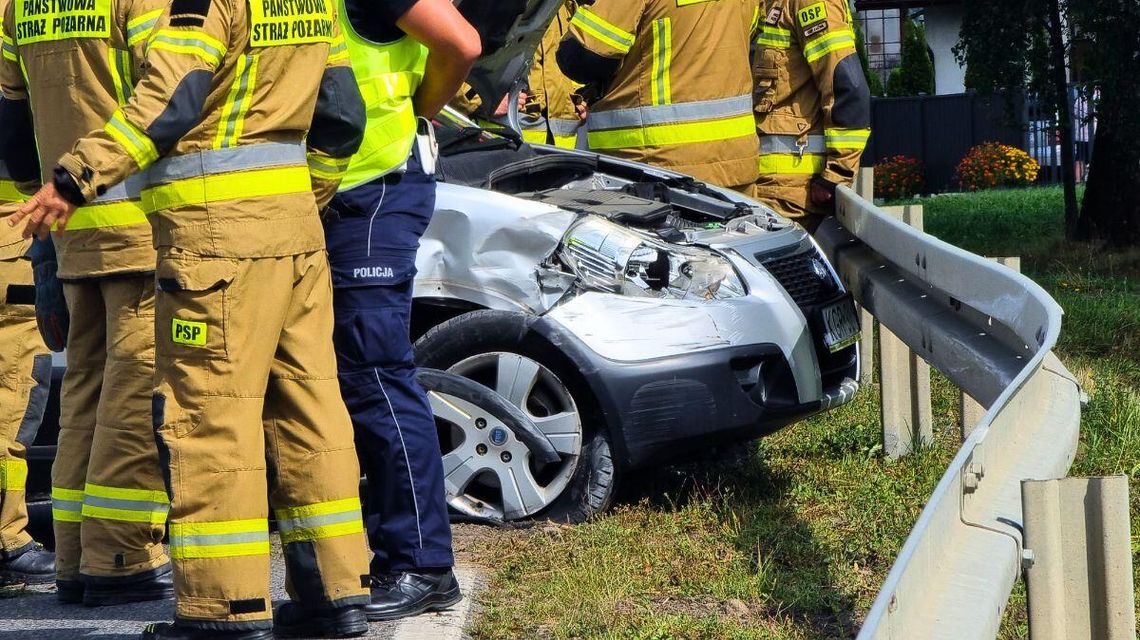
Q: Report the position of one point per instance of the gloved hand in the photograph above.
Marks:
(823, 194)
(51, 308)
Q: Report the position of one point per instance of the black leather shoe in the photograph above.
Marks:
(175, 631)
(34, 566)
(69, 591)
(156, 584)
(294, 620)
(413, 594)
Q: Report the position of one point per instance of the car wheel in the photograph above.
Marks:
(488, 473)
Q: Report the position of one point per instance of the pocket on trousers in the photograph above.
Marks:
(192, 306)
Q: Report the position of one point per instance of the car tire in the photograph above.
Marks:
(477, 337)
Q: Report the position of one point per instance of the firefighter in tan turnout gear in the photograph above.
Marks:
(238, 100)
(72, 65)
(813, 107)
(674, 81)
(550, 115)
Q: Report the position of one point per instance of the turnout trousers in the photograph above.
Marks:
(247, 404)
(372, 248)
(108, 504)
(25, 376)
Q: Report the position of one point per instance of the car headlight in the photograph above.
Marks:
(608, 257)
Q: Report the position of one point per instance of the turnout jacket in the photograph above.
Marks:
(813, 109)
(72, 63)
(239, 100)
(550, 91)
(675, 84)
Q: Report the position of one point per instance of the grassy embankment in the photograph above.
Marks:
(795, 544)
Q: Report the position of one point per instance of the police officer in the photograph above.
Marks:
(108, 503)
(237, 100)
(674, 83)
(553, 110)
(813, 107)
(373, 227)
(25, 373)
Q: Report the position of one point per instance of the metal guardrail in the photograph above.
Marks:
(990, 331)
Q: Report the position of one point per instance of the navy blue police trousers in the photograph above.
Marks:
(372, 232)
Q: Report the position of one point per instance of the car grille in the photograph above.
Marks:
(798, 276)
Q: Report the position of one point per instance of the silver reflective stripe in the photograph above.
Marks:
(312, 522)
(791, 144)
(214, 161)
(67, 505)
(127, 505)
(561, 127)
(219, 539)
(637, 117)
(128, 189)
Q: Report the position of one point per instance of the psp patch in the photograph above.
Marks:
(189, 332)
(812, 14)
(275, 23)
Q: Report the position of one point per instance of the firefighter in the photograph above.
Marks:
(674, 82)
(237, 100)
(373, 227)
(25, 375)
(813, 107)
(553, 110)
(108, 504)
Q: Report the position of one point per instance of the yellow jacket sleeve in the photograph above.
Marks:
(607, 27)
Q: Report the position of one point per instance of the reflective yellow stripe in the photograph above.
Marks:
(613, 36)
(228, 186)
(125, 504)
(338, 52)
(9, 48)
(66, 504)
(774, 37)
(535, 136)
(193, 43)
(847, 138)
(829, 43)
(755, 18)
(237, 103)
(660, 89)
(320, 520)
(327, 167)
(223, 539)
(667, 134)
(137, 144)
(13, 474)
(140, 28)
(9, 192)
(111, 214)
(779, 164)
(121, 74)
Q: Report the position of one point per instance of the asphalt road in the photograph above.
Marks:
(35, 614)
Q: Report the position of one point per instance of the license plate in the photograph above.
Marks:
(840, 325)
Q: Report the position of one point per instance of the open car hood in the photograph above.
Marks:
(510, 31)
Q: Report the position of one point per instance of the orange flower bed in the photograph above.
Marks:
(991, 165)
(898, 178)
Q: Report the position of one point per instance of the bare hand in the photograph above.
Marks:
(501, 110)
(43, 210)
(821, 196)
(582, 109)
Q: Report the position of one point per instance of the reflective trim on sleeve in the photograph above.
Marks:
(121, 74)
(612, 36)
(637, 117)
(320, 520)
(671, 134)
(223, 539)
(9, 193)
(194, 43)
(778, 143)
(9, 48)
(782, 164)
(829, 43)
(66, 504)
(140, 28)
(328, 168)
(138, 145)
(774, 37)
(660, 87)
(258, 183)
(13, 474)
(237, 103)
(854, 139)
(124, 504)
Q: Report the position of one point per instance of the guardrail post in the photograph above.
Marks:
(905, 379)
(1079, 559)
(865, 187)
(970, 411)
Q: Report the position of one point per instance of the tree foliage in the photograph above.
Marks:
(916, 73)
(874, 82)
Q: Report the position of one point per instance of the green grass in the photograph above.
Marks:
(794, 544)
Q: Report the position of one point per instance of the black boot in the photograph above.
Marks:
(33, 566)
(69, 591)
(413, 594)
(175, 631)
(155, 584)
(294, 620)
